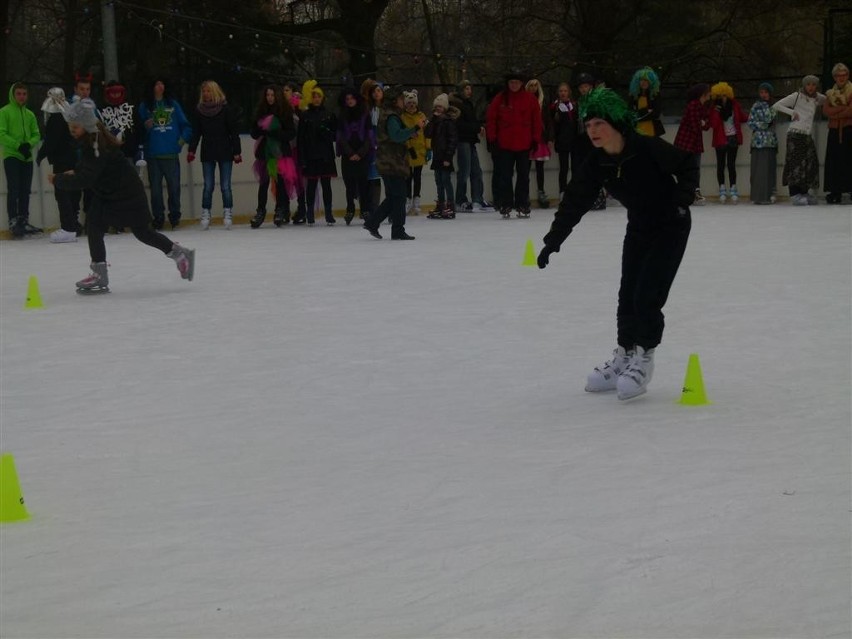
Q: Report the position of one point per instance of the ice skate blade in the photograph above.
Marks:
(92, 291)
(589, 389)
(624, 397)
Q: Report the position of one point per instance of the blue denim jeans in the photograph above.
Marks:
(444, 182)
(169, 168)
(469, 169)
(209, 170)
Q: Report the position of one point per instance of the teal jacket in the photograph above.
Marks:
(18, 125)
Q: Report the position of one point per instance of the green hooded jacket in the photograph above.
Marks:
(18, 125)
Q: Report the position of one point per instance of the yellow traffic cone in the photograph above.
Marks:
(33, 296)
(11, 500)
(693, 384)
(529, 255)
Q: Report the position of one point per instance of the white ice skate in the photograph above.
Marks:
(634, 379)
(604, 377)
(97, 282)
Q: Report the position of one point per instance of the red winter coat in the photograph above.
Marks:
(719, 137)
(513, 121)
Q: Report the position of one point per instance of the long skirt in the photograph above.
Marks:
(838, 161)
(763, 170)
(801, 168)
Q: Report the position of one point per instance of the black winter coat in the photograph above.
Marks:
(564, 126)
(444, 135)
(316, 135)
(219, 135)
(59, 147)
(468, 124)
(118, 193)
(655, 181)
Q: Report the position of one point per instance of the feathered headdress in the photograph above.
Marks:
(308, 89)
(646, 73)
(607, 105)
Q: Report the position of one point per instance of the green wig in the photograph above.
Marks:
(607, 105)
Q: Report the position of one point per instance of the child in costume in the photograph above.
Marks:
(726, 120)
(273, 129)
(801, 166)
(690, 133)
(118, 196)
(645, 102)
(656, 182)
(316, 135)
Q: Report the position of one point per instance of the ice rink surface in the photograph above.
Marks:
(325, 435)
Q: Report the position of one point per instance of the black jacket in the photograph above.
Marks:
(316, 135)
(119, 197)
(219, 135)
(468, 125)
(564, 126)
(655, 181)
(444, 135)
(652, 113)
(59, 147)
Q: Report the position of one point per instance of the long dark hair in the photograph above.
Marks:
(280, 108)
(150, 101)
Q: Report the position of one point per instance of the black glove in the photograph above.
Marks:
(544, 256)
(24, 150)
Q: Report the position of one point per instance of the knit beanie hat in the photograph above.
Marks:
(443, 100)
(607, 105)
(82, 113)
(766, 85)
(54, 103)
(810, 79)
(410, 97)
(391, 95)
(722, 89)
(460, 87)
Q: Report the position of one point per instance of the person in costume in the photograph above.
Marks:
(801, 166)
(418, 151)
(838, 148)
(315, 140)
(274, 128)
(118, 196)
(764, 147)
(645, 102)
(726, 120)
(656, 182)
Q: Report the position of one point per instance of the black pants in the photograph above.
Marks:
(415, 182)
(356, 183)
(539, 174)
(649, 263)
(282, 202)
(726, 156)
(19, 181)
(517, 162)
(564, 161)
(392, 207)
(145, 234)
(311, 197)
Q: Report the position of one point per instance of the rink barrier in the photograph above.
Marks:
(45, 214)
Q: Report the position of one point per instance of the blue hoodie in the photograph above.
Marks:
(169, 128)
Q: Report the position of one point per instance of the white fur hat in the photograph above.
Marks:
(54, 102)
(409, 97)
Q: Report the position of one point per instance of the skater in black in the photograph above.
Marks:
(656, 182)
(118, 196)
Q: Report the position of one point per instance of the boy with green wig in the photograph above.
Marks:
(656, 183)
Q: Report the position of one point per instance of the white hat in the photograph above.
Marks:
(442, 100)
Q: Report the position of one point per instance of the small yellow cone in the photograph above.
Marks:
(529, 255)
(33, 296)
(693, 384)
(11, 500)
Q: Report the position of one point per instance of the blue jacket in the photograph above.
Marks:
(167, 128)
